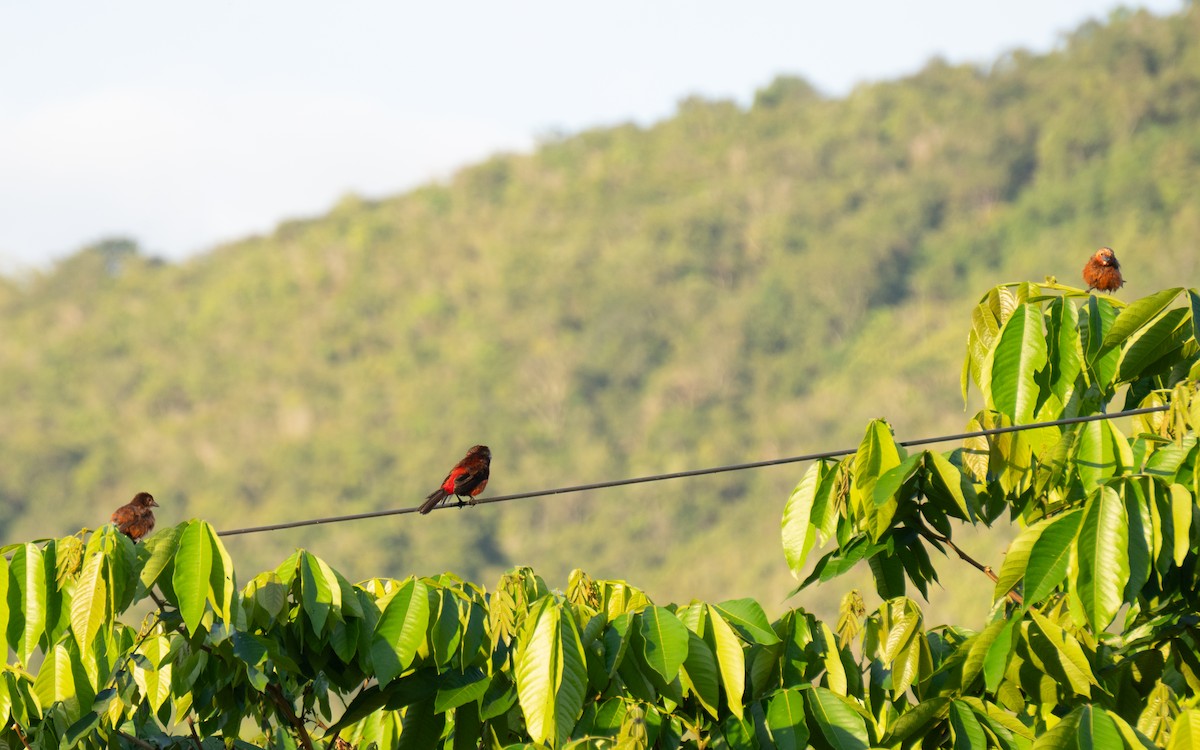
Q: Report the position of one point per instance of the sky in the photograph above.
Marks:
(182, 126)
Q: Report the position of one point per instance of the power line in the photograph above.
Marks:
(694, 472)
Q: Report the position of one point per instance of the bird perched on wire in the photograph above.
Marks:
(135, 519)
(1103, 272)
(468, 478)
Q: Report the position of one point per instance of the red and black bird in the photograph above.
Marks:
(135, 519)
(468, 478)
(1103, 272)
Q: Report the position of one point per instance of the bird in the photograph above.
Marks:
(135, 519)
(1103, 272)
(468, 478)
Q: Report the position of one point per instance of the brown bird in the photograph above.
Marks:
(468, 477)
(135, 519)
(1103, 272)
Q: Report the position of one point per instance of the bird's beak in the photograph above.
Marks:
(153, 503)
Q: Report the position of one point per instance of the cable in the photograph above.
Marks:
(694, 472)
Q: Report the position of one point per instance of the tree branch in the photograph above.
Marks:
(285, 707)
(933, 536)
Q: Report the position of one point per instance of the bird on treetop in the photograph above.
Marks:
(135, 519)
(1103, 272)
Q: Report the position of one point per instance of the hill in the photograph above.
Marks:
(729, 284)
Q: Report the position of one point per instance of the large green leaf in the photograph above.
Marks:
(551, 673)
(749, 619)
(1102, 549)
(840, 725)
(89, 601)
(664, 641)
(1152, 344)
(1016, 558)
(876, 454)
(1068, 655)
(1065, 353)
(700, 674)
(918, 720)
(891, 488)
(1020, 353)
(731, 660)
(799, 533)
(1183, 507)
(785, 720)
(320, 591)
(1094, 325)
(400, 630)
(1049, 556)
(55, 680)
(193, 568)
(1185, 732)
(1103, 453)
(968, 733)
(1136, 315)
(29, 573)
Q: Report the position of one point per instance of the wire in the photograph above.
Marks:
(693, 472)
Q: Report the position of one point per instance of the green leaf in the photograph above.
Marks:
(1103, 554)
(1065, 353)
(1016, 559)
(948, 479)
(1103, 453)
(1070, 655)
(978, 650)
(1020, 354)
(159, 550)
(968, 733)
(918, 720)
(1185, 732)
(798, 530)
(319, 589)
(890, 490)
(1136, 315)
(749, 619)
(785, 720)
(455, 688)
(1182, 507)
(700, 675)
(1152, 344)
(400, 630)
(664, 641)
(551, 673)
(837, 721)
(730, 658)
(88, 603)
(1049, 556)
(154, 680)
(193, 567)
(29, 572)
(55, 680)
(877, 453)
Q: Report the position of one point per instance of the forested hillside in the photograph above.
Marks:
(729, 284)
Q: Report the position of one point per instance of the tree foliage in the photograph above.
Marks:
(733, 282)
(1092, 641)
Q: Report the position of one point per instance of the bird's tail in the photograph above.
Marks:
(432, 501)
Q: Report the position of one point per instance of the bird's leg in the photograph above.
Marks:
(461, 504)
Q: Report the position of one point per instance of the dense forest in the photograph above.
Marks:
(730, 284)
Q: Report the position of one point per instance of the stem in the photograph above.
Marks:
(285, 708)
(134, 741)
(17, 728)
(932, 535)
(195, 737)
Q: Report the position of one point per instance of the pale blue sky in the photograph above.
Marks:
(187, 126)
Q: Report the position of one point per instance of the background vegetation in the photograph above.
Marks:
(729, 284)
